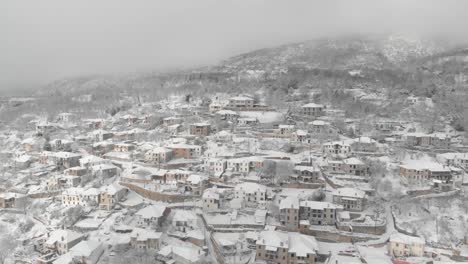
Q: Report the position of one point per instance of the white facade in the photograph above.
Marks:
(252, 193)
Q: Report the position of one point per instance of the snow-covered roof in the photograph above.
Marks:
(184, 216)
(240, 98)
(226, 112)
(251, 235)
(312, 105)
(296, 243)
(195, 179)
(191, 254)
(23, 158)
(73, 191)
(353, 161)
(200, 124)
(90, 159)
(339, 143)
(111, 189)
(63, 235)
(91, 192)
(319, 205)
(85, 248)
(318, 123)
(301, 132)
(306, 168)
(172, 118)
(144, 234)
(302, 245)
(155, 210)
(9, 195)
(366, 140)
(66, 258)
(349, 192)
(102, 167)
(289, 202)
(118, 155)
(33, 140)
(196, 233)
(424, 164)
(183, 146)
(273, 240)
(76, 168)
(405, 239)
(159, 150)
(65, 155)
(250, 187)
(210, 194)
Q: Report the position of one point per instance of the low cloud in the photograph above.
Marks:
(51, 39)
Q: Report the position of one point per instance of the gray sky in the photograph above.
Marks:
(50, 39)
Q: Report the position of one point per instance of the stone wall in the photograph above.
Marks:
(157, 196)
(305, 185)
(334, 236)
(378, 229)
(44, 194)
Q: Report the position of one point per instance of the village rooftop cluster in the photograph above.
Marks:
(227, 178)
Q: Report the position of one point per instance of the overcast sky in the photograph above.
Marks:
(51, 39)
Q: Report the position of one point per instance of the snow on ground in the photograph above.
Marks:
(340, 252)
(442, 219)
(375, 254)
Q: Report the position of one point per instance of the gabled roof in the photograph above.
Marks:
(210, 194)
(423, 164)
(339, 143)
(240, 98)
(319, 123)
(73, 191)
(289, 202)
(159, 150)
(302, 245)
(273, 239)
(101, 167)
(144, 234)
(85, 248)
(183, 216)
(306, 168)
(319, 205)
(155, 210)
(312, 105)
(191, 254)
(405, 239)
(349, 192)
(296, 243)
(353, 161)
(111, 189)
(195, 179)
(250, 187)
(67, 235)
